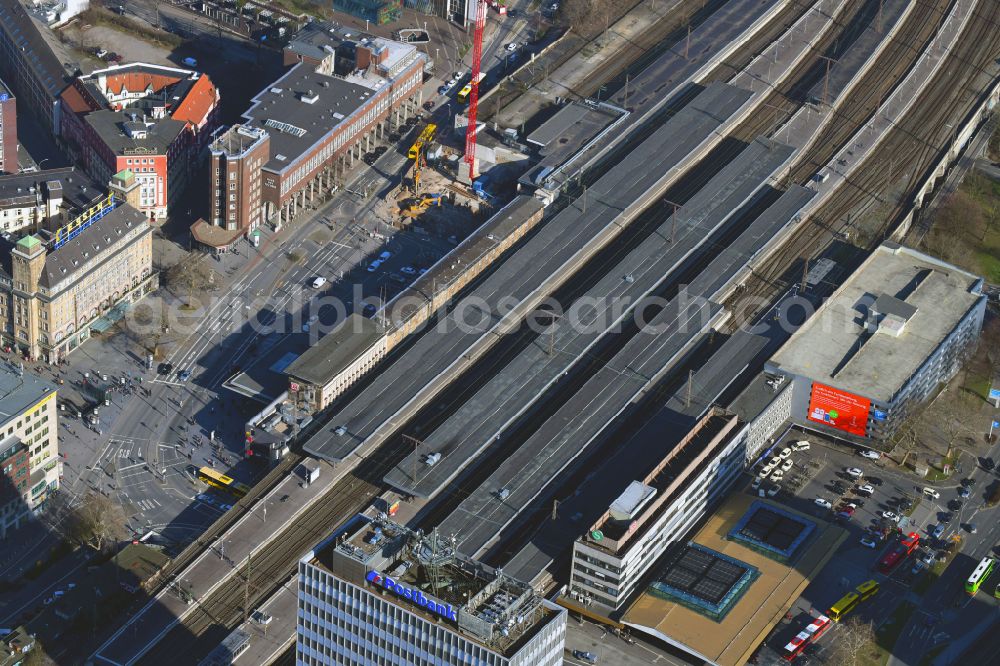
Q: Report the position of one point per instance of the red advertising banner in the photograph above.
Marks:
(839, 409)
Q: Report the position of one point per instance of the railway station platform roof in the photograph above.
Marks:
(553, 249)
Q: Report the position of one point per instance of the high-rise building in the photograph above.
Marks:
(377, 593)
(235, 202)
(29, 445)
(8, 130)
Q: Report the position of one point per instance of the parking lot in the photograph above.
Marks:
(878, 505)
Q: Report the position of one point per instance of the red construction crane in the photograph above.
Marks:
(477, 52)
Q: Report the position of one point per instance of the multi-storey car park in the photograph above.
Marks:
(358, 491)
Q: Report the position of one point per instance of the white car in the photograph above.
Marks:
(889, 515)
(407, 270)
(511, 47)
(801, 445)
(318, 282)
(822, 503)
(871, 455)
(372, 267)
(867, 489)
(785, 453)
(930, 492)
(868, 542)
(855, 472)
(776, 474)
(756, 482)
(787, 465)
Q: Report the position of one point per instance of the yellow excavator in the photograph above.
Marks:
(415, 206)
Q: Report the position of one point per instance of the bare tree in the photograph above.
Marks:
(97, 522)
(855, 644)
(191, 275)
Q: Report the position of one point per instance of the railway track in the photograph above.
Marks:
(887, 181)
(216, 615)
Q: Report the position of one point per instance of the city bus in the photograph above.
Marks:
(979, 575)
(222, 482)
(806, 637)
(898, 553)
(426, 136)
(839, 610)
(463, 94)
(867, 589)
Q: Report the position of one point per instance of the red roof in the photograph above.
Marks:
(75, 101)
(197, 103)
(139, 81)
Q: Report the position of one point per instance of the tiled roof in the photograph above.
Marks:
(199, 101)
(75, 101)
(138, 81)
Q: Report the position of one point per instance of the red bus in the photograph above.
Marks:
(898, 553)
(806, 637)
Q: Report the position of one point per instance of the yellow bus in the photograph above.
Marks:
(222, 482)
(867, 589)
(463, 94)
(840, 609)
(426, 136)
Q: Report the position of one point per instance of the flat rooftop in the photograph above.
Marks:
(489, 607)
(764, 602)
(77, 189)
(834, 346)
(20, 391)
(335, 351)
(566, 133)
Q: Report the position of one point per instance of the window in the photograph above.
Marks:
(232, 186)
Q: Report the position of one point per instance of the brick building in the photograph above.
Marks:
(237, 156)
(8, 130)
(54, 287)
(320, 118)
(153, 121)
(29, 66)
(29, 446)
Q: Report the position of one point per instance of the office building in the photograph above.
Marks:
(45, 199)
(235, 204)
(8, 130)
(57, 286)
(655, 511)
(29, 446)
(377, 593)
(151, 120)
(320, 118)
(898, 328)
(30, 68)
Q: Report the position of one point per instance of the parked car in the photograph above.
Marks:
(428, 105)
(407, 270)
(964, 493)
(871, 455)
(318, 282)
(588, 657)
(756, 482)
(785, 453)
(773, 490)
(905, 503)
(868, 542)
(512, 46)
(100, 53)
(801, 445)
(854, 472)
(874, 480)
(787, 465)
(372, 267)
(931, 492)
(866, 490)
(385, 254)
(938, 531)
(989, 464)
(822, 503)
(890, 515)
